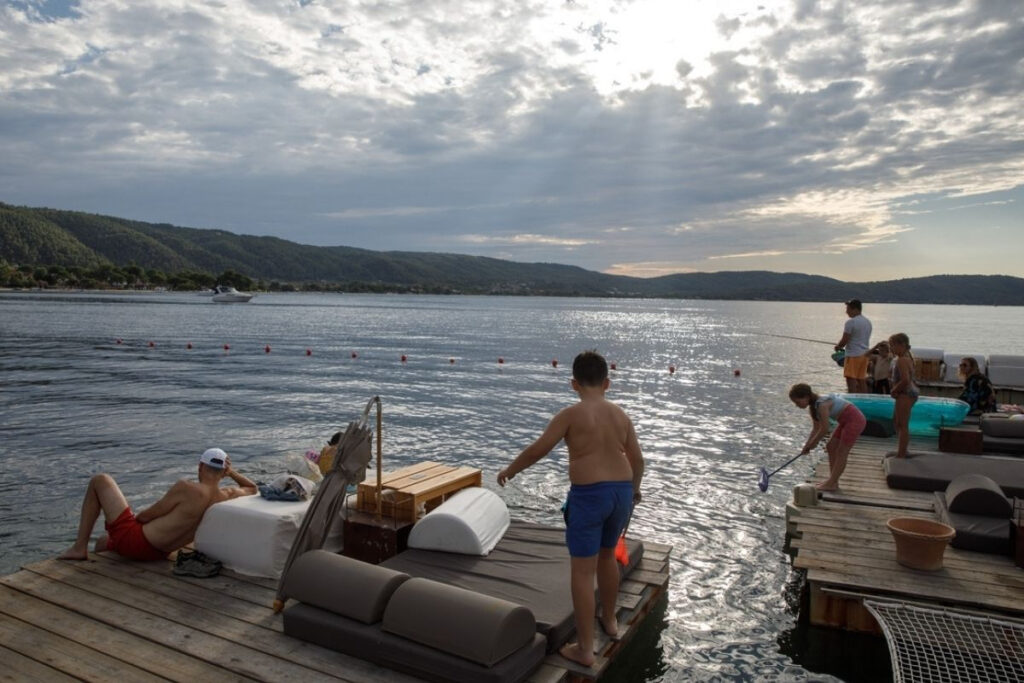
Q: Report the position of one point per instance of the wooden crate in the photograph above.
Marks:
(927, 370)
(411, 491)
(374, 540)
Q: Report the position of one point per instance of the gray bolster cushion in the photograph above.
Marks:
(976, 494)
(998, 425)
(342, 585)
(470, 625)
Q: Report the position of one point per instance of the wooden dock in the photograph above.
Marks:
(848, 551)
(108, 618)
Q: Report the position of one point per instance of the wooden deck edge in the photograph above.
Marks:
(653, 586)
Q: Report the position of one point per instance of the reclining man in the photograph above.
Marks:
(165, 526)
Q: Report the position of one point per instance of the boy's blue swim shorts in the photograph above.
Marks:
(595, 515)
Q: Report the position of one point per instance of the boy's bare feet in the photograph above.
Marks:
(573, 653)
(73, 553)
(611, 631)
(825, 486)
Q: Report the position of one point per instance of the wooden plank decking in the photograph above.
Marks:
(107, 619)
(846, 548)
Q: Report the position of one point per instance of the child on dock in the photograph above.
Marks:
(165, 526)
(605, 470)
(851, 423)
(881, 368)
(904, 391)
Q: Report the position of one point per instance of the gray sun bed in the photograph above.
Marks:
(442, 616)
(934, 471)
(529, 567)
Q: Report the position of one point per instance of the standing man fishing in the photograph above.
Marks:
(856, 340)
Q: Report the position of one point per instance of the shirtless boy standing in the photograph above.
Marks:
(163, 527)
(605, 469)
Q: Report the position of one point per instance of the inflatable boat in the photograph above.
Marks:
(927, 416)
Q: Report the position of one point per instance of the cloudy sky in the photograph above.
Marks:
(863, 140)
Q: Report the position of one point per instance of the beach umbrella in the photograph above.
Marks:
(349, 467)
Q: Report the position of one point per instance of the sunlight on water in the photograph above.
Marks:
(74, 402)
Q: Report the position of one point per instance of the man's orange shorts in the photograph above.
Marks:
(855, 367)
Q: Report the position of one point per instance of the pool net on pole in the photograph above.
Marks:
(928, 644)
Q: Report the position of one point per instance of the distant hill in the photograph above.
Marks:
(50, 237)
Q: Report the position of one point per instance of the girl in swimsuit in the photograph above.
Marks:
(904, 390)
(851, 423)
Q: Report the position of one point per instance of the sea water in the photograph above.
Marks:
(107, 382)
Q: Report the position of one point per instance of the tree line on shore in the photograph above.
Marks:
(110, 276)
(134, 277)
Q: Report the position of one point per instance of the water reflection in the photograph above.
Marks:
(74, 402)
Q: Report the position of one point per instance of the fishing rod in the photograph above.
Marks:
(786, 336)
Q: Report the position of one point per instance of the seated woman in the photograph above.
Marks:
(978, 390)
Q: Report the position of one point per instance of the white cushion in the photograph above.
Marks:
(252, 535)
(470, 522)
(952, 363)
(924, 353)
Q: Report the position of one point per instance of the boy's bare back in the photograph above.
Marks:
(600, 438)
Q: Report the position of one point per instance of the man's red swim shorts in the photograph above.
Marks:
(126, 538)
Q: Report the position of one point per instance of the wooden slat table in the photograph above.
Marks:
(423, 486)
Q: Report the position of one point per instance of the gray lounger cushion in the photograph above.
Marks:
(975, 532)
(1002, 426)
(976, 494)
(529, 567)
(1001, 444)
(342, 585)
(476, 627)
(370, 643)
(934, 471)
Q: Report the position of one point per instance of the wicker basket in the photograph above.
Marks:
(920, 543)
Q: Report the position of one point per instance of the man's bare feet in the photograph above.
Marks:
(825, 486)
(74, 554)
(573, 653)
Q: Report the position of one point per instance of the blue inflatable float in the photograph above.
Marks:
(928, 414)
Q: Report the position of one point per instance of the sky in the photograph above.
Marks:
(863, 140)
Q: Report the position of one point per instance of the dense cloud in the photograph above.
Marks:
(632, 136)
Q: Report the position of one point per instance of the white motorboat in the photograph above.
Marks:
(224, 294)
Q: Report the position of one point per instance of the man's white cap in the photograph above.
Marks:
(214, 457)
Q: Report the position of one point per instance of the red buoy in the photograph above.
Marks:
(152, 344)
(451, 361)
(501, 361)
(736, 372)
(404, 358)
(227, 347)
(266, 349)
(188, 345)
(671, 369)
(309, 352)
(612, 366)
(118, 340)
(355, 355)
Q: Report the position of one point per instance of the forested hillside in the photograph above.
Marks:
(48, 247)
